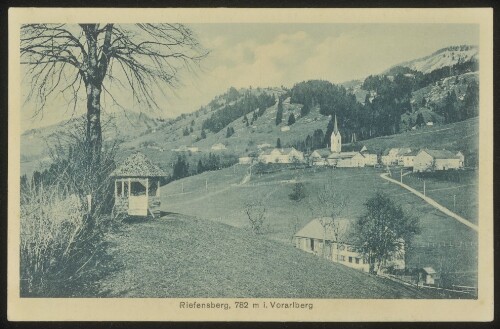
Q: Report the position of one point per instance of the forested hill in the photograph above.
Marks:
(442, 89)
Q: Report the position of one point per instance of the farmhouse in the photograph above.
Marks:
(370, 157)
(137, 186)
(431, 160)
(319, 157)
(218, 147)
(346, 160)
(284, 155)
(394, 156)
(333, 242)
(409, 158)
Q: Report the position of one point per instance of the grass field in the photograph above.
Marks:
(186, 257)
(460, 197)
(225, 202)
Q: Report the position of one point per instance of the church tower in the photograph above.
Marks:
(335, 138)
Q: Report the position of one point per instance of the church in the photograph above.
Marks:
(335, 139)
(341, 159)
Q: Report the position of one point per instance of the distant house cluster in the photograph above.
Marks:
(281, 155)
(333, 242)
(341, 156)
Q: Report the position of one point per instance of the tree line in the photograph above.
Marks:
(388, 98)
(244, 105)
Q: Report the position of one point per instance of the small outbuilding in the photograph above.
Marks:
(137, 186)
(428, 275)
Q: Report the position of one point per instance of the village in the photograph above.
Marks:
(137, 193)
(418, 160)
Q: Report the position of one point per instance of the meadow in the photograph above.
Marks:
(181, 256)
(443, 243)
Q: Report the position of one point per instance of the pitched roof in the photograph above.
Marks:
(441, 154)
(343, 155)
(314, 229)
(352, 147)
(412, 153)
(138, 165)
(429, 270)
(323, 152)
(404, 151)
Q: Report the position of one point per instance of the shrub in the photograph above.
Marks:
(62, 247)
(298, 192)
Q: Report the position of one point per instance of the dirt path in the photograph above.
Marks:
(432, 203)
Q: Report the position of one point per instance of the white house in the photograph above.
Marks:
(346, 160)
(462, 158)
(394, 156)
(218, 147)
(285, 128)
(401, 153)
(430, 160)
(409, 158)
(319, 157)
(245, 160)
(333, 241)
(284, 155)
(371, 157)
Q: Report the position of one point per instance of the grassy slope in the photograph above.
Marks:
(225, 202)
(456, 136)
(187, 257)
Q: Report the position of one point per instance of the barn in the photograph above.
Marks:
(137, 186)
(431, 160)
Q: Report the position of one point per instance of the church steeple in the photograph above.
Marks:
(335, 138)
(335, 128)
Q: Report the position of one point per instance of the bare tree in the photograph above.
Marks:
(330, 204)
(255, 212)
(140, 58)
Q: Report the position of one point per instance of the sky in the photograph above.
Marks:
(262, 55)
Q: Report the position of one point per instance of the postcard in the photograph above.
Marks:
(250, 164)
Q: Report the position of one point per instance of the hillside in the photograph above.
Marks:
(117, 127)
(223, 119)
(182, 258)
(462, 136)
(444, 57)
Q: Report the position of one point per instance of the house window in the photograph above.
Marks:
(357, 260)
(118, 188)
(350, 259)
(312, 244)
(125, 188)
(342, 258)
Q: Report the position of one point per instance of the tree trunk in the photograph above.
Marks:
(94, 134)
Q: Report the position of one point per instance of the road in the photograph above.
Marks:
(432, 202)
